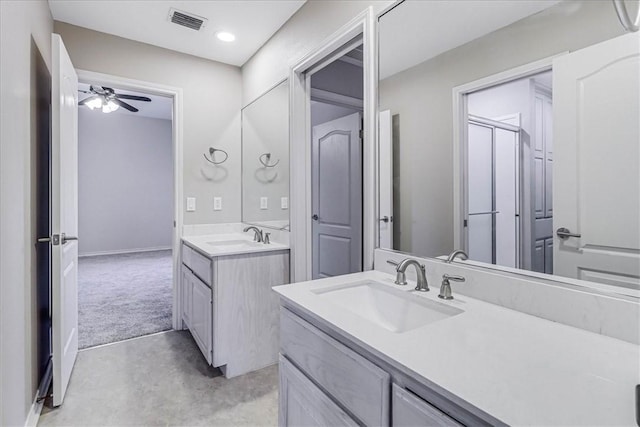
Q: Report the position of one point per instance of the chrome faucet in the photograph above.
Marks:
(445, 288)
(257, 236)
(401, 278)
(457, 254)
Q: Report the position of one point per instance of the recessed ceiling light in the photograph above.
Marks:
(225, 36)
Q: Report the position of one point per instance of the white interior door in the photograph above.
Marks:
(64, 218)
(336, 185)
(596, 167)
(386, 180)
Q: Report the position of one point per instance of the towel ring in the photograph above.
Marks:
(266, 164)
(211, 153)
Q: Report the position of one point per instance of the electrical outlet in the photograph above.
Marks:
(191, 204)
(264, 203)
(217, 203)
(284, 203)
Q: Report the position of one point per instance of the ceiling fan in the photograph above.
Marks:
(108, 100)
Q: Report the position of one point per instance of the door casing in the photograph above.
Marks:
(363, 24)
(176, 94)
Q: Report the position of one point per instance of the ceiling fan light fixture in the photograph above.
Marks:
(225, 36)
(94, 103)
(109, 107)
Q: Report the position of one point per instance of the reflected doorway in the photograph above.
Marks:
(508, 177)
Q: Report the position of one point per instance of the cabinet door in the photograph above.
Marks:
(304, 404)
(200, 318)
(409, 410)
(186, 287)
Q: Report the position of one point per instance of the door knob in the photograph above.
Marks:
(64, 238)
(315, 217)
(384, 219)
(564, 233)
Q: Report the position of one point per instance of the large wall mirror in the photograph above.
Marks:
(265, 159)
(510, 129)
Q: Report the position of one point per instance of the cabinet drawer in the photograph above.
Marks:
(358, 385)
(304, 404)
(199, 264)
(409, 410)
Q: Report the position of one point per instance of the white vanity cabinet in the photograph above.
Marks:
(229, 308)
(327, 380)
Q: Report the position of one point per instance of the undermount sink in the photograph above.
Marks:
(233, 243)
(394, 310)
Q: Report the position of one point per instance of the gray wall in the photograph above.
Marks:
(421, 98)
(304, 31)
(212, 94)
(125, 182)
(25, 29)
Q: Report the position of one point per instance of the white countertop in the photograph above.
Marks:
(521, 369)
(206, 244)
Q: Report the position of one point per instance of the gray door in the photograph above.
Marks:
(336, 185)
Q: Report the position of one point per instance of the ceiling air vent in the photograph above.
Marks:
(188, 20)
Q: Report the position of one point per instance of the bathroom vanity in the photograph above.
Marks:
(226, 298)
(360, 350)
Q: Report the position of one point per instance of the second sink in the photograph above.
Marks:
(395, 310)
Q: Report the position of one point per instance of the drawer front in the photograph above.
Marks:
(409, 410)
(358, 385)
(198, 263)
(304, 404)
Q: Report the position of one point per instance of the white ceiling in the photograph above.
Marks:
(147, 21)
(160, 107)
(416, 31)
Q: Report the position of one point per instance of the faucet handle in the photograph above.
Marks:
(266, 238)
(392, 262)
(453, 278)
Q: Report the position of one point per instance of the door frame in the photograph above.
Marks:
(363, 24)
(460, 135)
(85, 76)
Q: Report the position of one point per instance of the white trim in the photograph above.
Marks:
(124, 251)
(460, 114)
(38, 400)
(335, 98)
(177, 126)
(34, 412)
(300, 142)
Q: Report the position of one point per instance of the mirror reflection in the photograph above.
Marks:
(265, 159)
(513, 136)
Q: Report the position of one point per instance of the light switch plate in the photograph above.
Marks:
(217, 203)
(264, 203)
(284, 203)
(191, 204)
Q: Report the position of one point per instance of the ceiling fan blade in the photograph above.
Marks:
(133, 97)
(125, 105)
(87, 99)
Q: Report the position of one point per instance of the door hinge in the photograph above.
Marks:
(361, 134)
(465, 223)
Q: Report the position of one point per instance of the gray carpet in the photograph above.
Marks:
(123, 296)
(162, 380)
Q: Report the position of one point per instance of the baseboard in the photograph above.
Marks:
(125, 251)
(38, 403)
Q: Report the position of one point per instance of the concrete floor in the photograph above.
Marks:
(162, 379)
